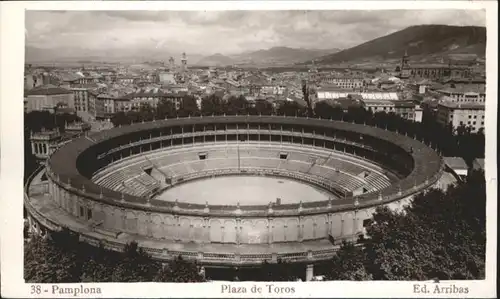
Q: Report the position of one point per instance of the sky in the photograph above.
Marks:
(226, 32)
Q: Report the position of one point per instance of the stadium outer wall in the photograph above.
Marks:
(215, 235)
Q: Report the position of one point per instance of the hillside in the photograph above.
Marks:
(215, 60)
(420, 41)
(280, 55)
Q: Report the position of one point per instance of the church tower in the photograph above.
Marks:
(184, 62)
(313, 72)
(171, 63)
(405, 66)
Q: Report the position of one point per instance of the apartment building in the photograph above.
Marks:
(457, 114)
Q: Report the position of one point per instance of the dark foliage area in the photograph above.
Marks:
(442, 235)
(63, 258)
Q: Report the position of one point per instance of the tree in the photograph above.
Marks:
(237, 106)
(165, 109)
(189, 107)
(135, 265)
(48, 261)
(212, 105)
(99, 265)
(324, 110)
(291, 109)
(120, 119)
(441, 235)
(347, 264)
(63, 258)
(36, 120)
(306, 94)
(262, 107)
(61, 119)
(179, 270)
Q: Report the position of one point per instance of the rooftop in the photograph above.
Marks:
(403, 104)
(344, 103)
(85, 86)
(455, 162)
(153, 92)
(70, 77)
(48, 89)
(476, 80)
(454, 105)
(478, 163)
(464, 89)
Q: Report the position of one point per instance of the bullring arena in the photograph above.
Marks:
(229, 190)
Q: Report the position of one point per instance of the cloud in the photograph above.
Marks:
(208, 32)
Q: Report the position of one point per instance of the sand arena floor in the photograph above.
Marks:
(247, 190)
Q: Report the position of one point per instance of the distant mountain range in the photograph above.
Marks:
(215, 60)
(272, 56)
(421, 42)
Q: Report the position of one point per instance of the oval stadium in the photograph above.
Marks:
(229, 190)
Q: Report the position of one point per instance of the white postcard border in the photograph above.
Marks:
(11, 166)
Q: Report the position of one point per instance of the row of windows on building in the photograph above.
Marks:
(470, 116)
(472, 123)
(467, 98)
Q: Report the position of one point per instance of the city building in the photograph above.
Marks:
(44, 143)
(109, 104)
(433, 71)
(388, 102)
(273, 90)
(458, 114)
(408, 110)
(344, 81)
(166, 78)
(420, 86)
(332, 93)
(125, 79)
(96, 107)
(76, 128)
(81, 96)
(473, 83)
(345, 103)
(37, 79)
(106, 101)
(464, 94)
(85, 99)
(74, 79)
(379, 105)
(48, 98)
